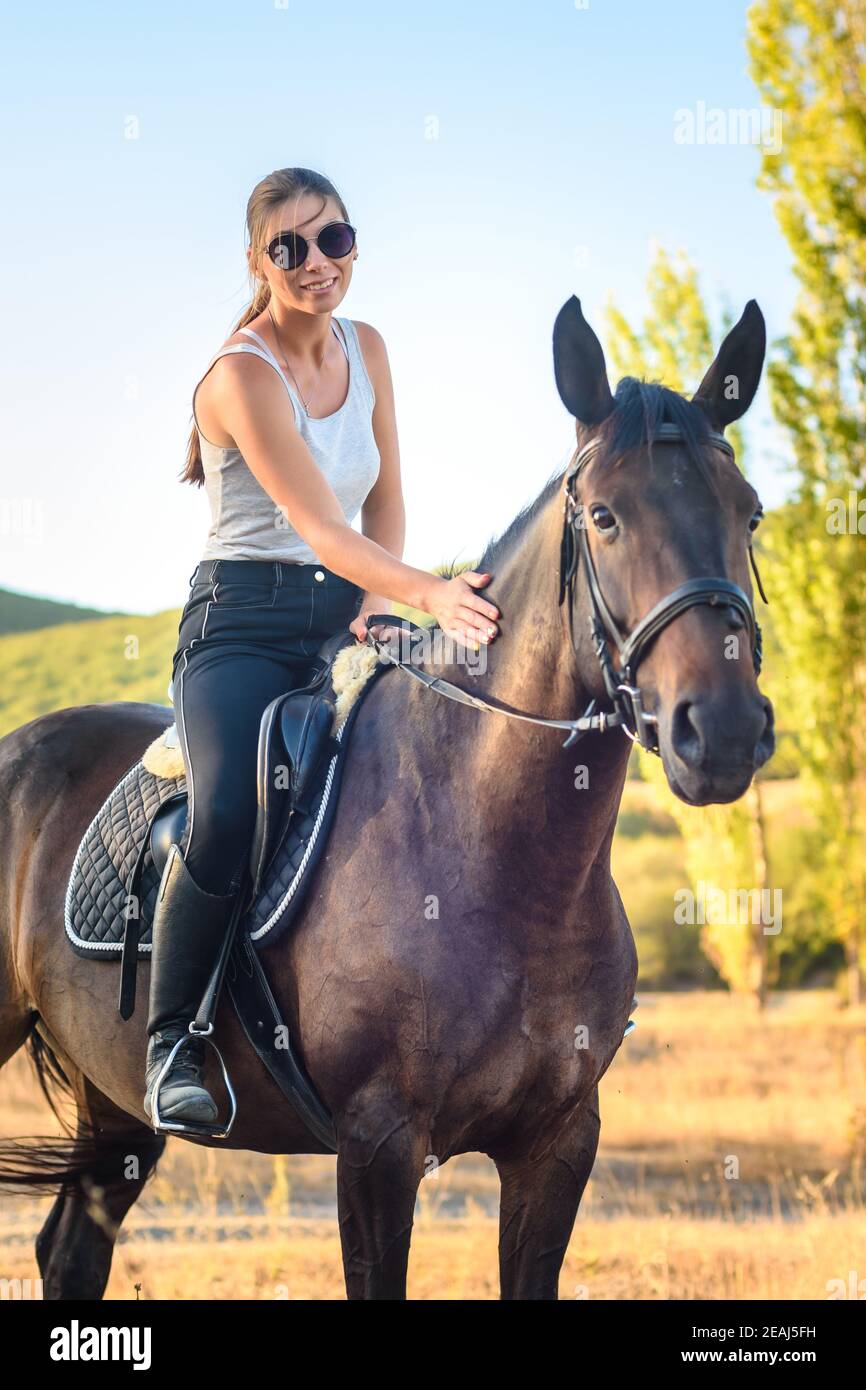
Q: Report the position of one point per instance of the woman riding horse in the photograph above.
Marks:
(282, 570)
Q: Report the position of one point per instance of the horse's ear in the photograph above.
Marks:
(579, 367)
(729, 386)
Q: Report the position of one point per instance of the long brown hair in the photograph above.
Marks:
(269, 193)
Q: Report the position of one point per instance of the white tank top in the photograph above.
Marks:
(246, 524)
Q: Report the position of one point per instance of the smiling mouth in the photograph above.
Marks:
(320, 285)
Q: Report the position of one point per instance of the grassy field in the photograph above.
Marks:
(730, 1167)
(79, 663)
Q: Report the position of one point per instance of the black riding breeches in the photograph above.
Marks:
(249, 632)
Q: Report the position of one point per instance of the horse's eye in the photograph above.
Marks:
(756, 520)
(603, 518)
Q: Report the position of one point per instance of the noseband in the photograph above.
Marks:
(620, 682)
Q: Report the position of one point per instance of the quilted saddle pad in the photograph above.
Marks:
(97, 897)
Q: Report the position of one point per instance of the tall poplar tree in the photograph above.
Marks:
(808, 58)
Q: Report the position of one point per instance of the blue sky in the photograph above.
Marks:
(551, 170)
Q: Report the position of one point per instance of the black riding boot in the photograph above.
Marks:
(189, 928)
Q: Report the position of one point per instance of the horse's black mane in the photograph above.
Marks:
(640, 407)
(500, 546)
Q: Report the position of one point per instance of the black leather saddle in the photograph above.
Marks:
(295, 738)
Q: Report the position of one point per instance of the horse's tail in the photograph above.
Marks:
(82, 1156)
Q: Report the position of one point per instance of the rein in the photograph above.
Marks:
(620, 682)
(589, 722)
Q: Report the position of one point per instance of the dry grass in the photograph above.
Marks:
(650, 1258)
(729, 1168)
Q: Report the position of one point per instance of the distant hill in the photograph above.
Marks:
(53, 655)
(25, 613)
(85, 660)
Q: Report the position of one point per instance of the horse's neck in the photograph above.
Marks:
(549, 804)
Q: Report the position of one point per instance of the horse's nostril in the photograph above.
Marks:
(767, 739)
(706, 732)
(685, 734)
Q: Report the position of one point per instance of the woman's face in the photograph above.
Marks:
(318, 284)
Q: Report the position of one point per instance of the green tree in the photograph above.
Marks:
(808, 58)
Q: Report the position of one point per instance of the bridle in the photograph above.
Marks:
(620, 683)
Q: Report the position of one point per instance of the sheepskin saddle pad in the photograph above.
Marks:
(304, 734)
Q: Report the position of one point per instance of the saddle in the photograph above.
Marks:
(295, 737)
(303, 739)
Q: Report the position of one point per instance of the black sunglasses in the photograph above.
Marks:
(288, 250)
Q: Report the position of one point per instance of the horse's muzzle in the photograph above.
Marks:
(712, 745)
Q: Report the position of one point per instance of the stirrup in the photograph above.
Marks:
(161, 1126)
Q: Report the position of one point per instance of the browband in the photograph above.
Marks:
(663, 432)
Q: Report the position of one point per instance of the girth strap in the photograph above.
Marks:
(131, 933)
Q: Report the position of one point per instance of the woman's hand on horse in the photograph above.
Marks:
(461, 613)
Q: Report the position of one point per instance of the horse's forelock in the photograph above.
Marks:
(640, 408)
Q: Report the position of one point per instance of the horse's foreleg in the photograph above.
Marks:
(540, 1197)
(379, 1167)
(75, 1246)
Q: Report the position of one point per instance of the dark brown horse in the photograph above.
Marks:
(462, 972)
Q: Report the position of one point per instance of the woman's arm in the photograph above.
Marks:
(255, 410)
(383, 515)
(386, 525)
